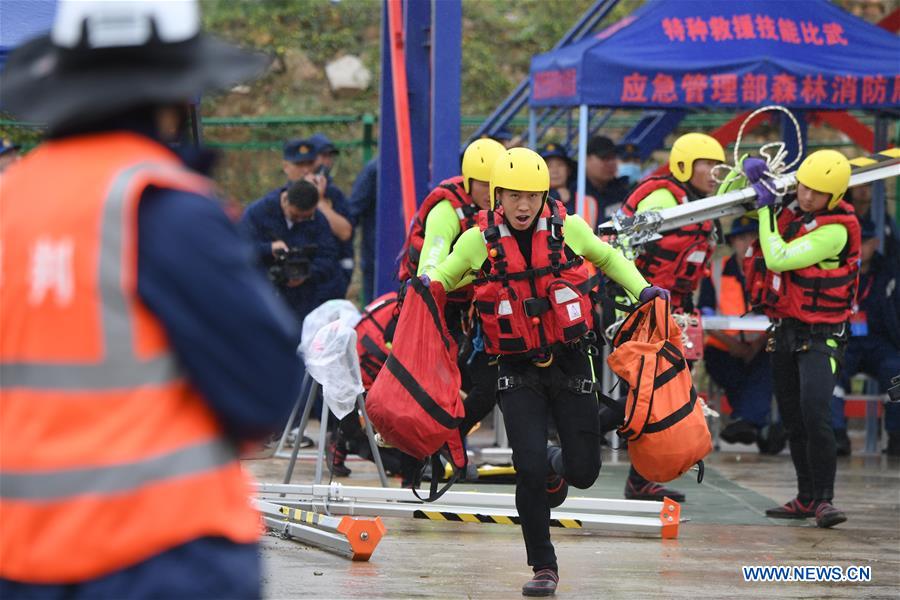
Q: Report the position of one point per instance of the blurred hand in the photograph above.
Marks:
(754, 168)
(321, 182)
(764, 197)
(278, 246)
(651, 291)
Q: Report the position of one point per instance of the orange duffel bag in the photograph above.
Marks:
(664, 422)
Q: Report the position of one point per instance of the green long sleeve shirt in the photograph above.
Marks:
(470, 252)
(820, 246)
(441, 228)
(657, 200)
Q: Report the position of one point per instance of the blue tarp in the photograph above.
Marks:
(21, 20)
(699, 53)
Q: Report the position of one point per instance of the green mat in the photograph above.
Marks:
(717, 500)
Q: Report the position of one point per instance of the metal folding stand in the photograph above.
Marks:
(475, 507)
(354, 538)
(314, 389)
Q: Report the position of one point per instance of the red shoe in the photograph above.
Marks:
(542, 584)
(336, 455)
(635, 490)
(557, 490)
(828, 516)
(795, 509)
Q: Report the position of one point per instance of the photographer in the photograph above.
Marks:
(293, 240)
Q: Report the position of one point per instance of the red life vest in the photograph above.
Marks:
(679, 260)
(529, 309)
(374, 335)
(451, 190)
(811, 294)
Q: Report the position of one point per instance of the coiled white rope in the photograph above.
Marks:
(774, 153)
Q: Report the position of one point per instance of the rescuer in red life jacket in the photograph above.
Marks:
(804, 272)
(679, 261)
(532, 293)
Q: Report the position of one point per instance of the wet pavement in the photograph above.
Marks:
(727, 529)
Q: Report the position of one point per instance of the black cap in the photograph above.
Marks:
(867, 229)
(554, 150)
(601, 146)
(296, 151)
(743, 224)
(323, 144)
(628, 150)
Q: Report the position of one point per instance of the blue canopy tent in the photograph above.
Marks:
(688, 54)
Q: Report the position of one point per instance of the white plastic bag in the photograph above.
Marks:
(332, 310)
(331, 360)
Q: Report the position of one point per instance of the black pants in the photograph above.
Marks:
(481, 377)
(804, 382)
(525, 411)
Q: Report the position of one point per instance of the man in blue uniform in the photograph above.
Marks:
(874, 346)
(299, 162)
(292, 222)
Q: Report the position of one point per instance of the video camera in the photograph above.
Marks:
(894, 390)
(292, 264)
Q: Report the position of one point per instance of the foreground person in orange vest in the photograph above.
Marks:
(804, 272)
(532, 293)
(139, 345)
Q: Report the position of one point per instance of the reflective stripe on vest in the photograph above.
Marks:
(123, 459)
(120, 368)
(121, 477)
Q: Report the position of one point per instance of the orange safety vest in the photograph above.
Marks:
(731, 301)
(108, 455)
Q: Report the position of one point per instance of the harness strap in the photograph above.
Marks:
(579, 385)
(419, 394)
(673, 418)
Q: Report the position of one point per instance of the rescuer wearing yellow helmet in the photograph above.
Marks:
(680, 259)
(803, 272)
(533, 295)
(447, 211)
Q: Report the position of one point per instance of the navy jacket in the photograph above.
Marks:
(362, 203)
(879, 298)
(263, 222)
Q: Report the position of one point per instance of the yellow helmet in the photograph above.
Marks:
(478, 159)
(520, 169)
(691, 147)
(826, 171)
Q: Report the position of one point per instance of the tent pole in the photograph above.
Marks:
(582, 158)
(532, 128)
(879, 197)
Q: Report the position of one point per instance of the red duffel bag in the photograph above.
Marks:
(375, 335)
(415, 403)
